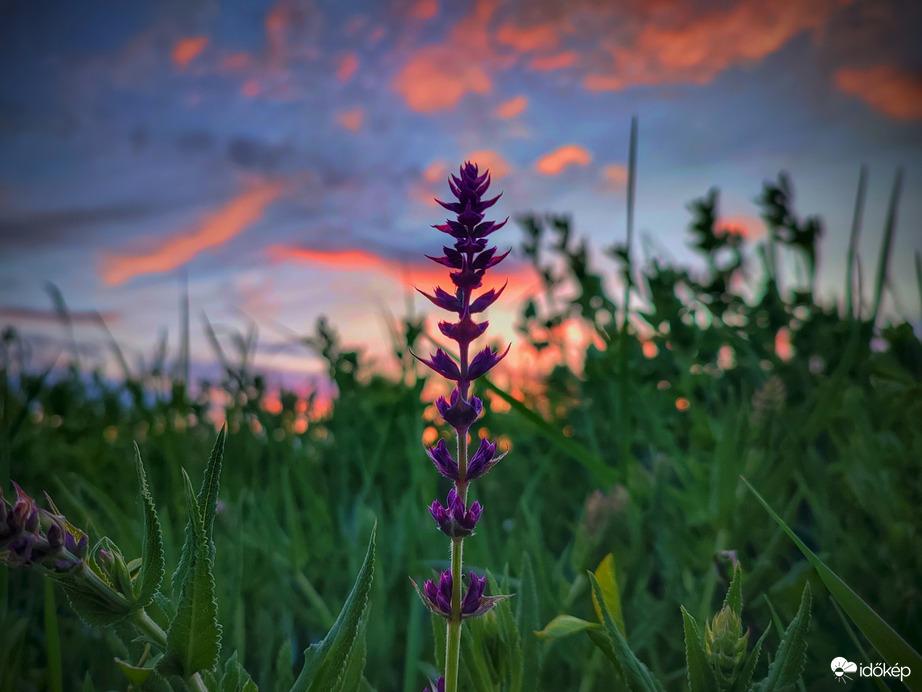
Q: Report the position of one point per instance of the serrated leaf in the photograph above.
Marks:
(792, 652)
(882, 637)
(635, 673)
(734, 597)
(527, 618)
(93, 608)
(150, 576)
(208, 506)
(566, 626)
(325, 662)
(700, 676)
(355, 664)
(193, 640)
(235, 678)
(742, 682)
(608, 583)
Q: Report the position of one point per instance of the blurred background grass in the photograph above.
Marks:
(632, 444)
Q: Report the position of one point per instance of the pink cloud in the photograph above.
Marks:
(557, 161)
(695, 48)
(352, 119)
(348, 64)
(553, 62)
(188, 49)
(437, 77)
(217, 228)
(512, 107)
(885, 89)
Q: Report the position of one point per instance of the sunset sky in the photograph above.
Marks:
(284, 155)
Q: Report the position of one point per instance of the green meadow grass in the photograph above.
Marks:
(639, 456)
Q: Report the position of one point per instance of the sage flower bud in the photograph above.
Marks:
(453, 520)
(725, 644)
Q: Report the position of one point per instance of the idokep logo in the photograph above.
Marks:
(841, 668)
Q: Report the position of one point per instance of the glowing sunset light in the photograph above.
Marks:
(553, 62)
(348, 64)
(352, 119)
(497, 165)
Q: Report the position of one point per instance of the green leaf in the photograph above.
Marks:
(284, 676)
(566, 626)
(193, 640)
(742, 682)
(135, 674)
(151, 574)
(527, 619)
(734, 597)
(700, 676)
(87, 684)
(95, 609)
(635, 673)
(792, 653)
(235, 678)
(208, 506)
(605, 575)
(355, 664)
(882, 637)
(325, 662)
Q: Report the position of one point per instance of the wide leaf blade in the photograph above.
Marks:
(325, 662)
(152, 564)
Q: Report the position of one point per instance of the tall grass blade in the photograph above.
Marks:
(326, 662)
(886, 248)
(882, 637)
(853, 242)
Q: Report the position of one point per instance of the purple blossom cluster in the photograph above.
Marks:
(30, 535)
(468, 260)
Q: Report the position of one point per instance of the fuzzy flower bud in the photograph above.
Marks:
(725, 644)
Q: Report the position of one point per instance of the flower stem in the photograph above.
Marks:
(149, 628)
(453, 638)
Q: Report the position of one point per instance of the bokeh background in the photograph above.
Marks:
(278, 161)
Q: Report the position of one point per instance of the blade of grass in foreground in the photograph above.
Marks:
(882, 637)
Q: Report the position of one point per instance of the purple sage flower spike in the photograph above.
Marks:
(454, 520)
(467, 261)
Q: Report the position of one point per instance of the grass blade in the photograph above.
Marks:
(882, 637)
(853, 243)
(886, 247)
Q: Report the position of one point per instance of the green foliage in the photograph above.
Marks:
(193, 640)
(634, 446)
(336, 662)
(151, 570)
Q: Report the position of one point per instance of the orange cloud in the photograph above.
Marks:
(696, 48)
(217, 228)
(512, 107)
(490, 159)
(424, 9)
(435, 171)
(348, 64)
(553, 62)
(615, 176)
(568, 155)
(251, 89)
(188, 49)
(885, 89)
(351, 119)
(525, 39)
(420, 273)
(437, 77)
